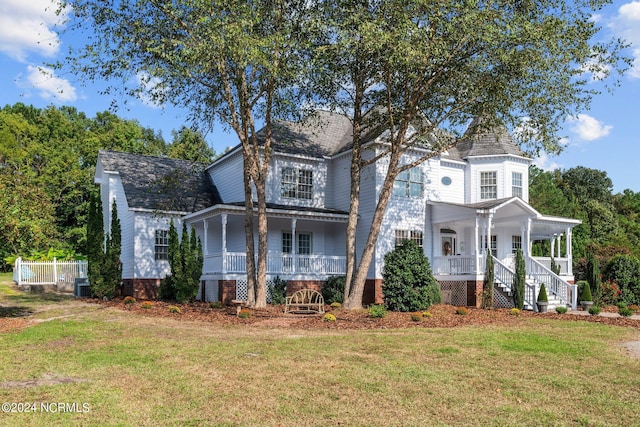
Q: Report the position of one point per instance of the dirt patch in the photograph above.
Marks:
(10, 324)
(633, 347)
(47, 379)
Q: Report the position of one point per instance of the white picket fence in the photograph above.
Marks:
(48, 272)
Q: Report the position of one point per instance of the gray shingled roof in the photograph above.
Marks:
(324, 134)
(160, 183)
(493, 142)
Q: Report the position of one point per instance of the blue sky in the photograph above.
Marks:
(606, 137)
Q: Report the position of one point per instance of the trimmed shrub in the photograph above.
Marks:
(407, 281)
(625, 311)
(174, 309)
(329, 317)
(514, 312)
(377, 311)
(427, 314)
(244, 313)
(594, 310)
(561, 310)
(542, 295)
(278, 291)
(585, 295)
(333, 290)
(215, 304)
(146, 304)
(129, 300)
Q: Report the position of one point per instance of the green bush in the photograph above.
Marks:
(542, 295)
(625, 311)
(377, 311)
(333, 290)
(417, 317)
(407, 281)
(244, 313)
(174, 309)
(278, 291)
(129, 300)
(335, 305)
(561, 310)
(514, 312)
(625, 271)
(215, 304)
(585, 295)
(594, 310)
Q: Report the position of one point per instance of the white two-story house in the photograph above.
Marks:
(459, 207)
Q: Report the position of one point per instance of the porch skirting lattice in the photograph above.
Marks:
(242, 292)
(454, 292)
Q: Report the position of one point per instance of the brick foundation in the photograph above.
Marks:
(226, 291)
(141, 288)
(474, 289)
(372, 292)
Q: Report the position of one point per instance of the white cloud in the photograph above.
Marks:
(588, 128)
(544, 163)
(152, 92)
(28, 26)
(49, 86)
(626, 24)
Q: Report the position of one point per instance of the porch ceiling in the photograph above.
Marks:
(274, 211)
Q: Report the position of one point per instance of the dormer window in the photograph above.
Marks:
(297, 183)
(488, 185)
(409, 183)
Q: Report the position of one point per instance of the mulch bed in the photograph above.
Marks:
(443, 316)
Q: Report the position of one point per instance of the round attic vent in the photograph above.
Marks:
(446, 180)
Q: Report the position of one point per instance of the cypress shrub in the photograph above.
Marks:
(519, 281)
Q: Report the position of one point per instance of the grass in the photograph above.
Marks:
(157, 371)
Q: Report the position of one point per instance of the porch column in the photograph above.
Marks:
(223, 219)
(205, 244)
(529, 237)
(559, 241)
(489, 224)
(524, 241)
(553, 246)
(569, 252)
(294, 241)
(476, 245)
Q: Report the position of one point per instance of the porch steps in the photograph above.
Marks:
(553, 301)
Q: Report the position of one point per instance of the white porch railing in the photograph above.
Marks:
(48, 272)
(236, 262)
(564, 291)
(446, 265)
(506, 276)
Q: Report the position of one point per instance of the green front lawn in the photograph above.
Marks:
(121, 369)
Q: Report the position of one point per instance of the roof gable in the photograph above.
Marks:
(160, 183)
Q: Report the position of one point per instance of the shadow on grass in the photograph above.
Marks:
(15, 311)
(37, 298)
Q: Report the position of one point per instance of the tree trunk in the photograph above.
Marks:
(261, 277)
(248, 232)
(354, 301)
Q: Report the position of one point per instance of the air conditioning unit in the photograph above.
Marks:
(81, 288)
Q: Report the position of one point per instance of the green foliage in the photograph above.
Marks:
(190, 145)
(174, 309)
(519, 281)
(542, 295)
(488, 284)
(462, 311)
(625, 271)
(561, 309)
(333, 289)
(185, 261)
(278, 291)
(105, 268)
(594, 310)
(407, 281)
(555, 267)
(625, 311)
(593, 276)
(514, 312)
(245, 313)
(377, 311)
(585, 294)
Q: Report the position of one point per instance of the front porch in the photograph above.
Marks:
(312, 266)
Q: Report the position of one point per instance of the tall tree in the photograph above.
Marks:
(233, 61)
(190, 145)
(412, 68)
(95, 240)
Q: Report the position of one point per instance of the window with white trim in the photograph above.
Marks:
(488, 185)
(161, 247)
(409, 183)
(303, 243)
(413, 235)
(516, 184)
(516, 243)
(297, 183)
(494, 245)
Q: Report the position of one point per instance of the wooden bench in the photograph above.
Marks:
(305, 301)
